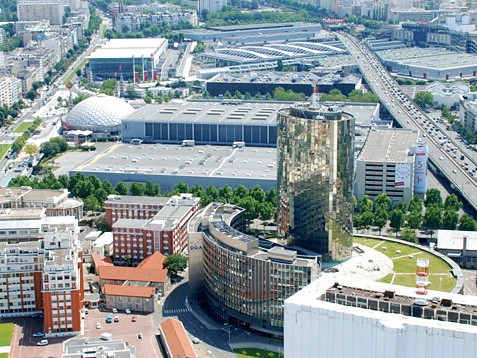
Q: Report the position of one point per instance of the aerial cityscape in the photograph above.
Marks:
(225, 178)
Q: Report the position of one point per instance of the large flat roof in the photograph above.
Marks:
(204, 161)
(389, 145)
(454, 240)
(434, 58)
(127, 48)
(253, 113)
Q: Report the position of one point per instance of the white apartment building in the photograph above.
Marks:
(447, 94)
(342, 317)
(386, 164)
(468, 110)
(37, 10)
(210, 5)
(10, 90)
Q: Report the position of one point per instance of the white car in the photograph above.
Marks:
(127, 311)
(196, 340)
(43, 342)
(115, 310)
(98, 325)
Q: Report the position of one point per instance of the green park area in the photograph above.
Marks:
(23, 127)
(404, 264)
(255, 352)
(6, 333)
(4, 149)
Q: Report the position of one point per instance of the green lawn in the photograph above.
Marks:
(404, 264)
(254, 352)
(4, 149)
(6, 333)
(23, 127)
(73, 74)
(3, 355)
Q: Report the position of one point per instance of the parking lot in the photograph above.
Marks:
(125, 330)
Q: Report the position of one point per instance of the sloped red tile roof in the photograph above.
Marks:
(155, 261)
(101, 260)
(176, 340)
(123, 273)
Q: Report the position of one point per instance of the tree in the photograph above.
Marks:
(433, 218)
(453, 203)
(450, 219)
(433, 197)
(257, 193)
(241, 191)
(365, 204)
(175, 264)
(91, 203)
(137, 189)
(423, 98)
(408, 235)
(226, 193)
(396, 218)
(367, 219)
(415, 204)
(31, 149)
(414, 219)
(381, 218)
(121, 188)
(382, 201)
(151, 189)
(467, 223)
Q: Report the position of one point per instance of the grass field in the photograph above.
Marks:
(73, 74)
(404, 264)
(3, 355)
(23, 127)
(4, 149)
(254, 352)
(6, 333)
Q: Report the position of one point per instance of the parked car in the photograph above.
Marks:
(43, 342)
(115, 310)
(116, 319)
(109, 318)
(127, 310)
(86, 311)
(195, 340)
(98, 325)
(38, 334)
(37, 315)
(133, 319)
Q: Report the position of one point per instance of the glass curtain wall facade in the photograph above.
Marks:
(315, 178)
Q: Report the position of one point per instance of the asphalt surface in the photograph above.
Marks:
(410, 116)
(470, 284)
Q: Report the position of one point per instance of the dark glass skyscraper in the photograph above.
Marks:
(315, 178)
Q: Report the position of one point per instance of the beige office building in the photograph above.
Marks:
(37, 10)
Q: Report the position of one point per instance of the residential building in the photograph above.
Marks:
(135, 298)
(45, 276)
(96, 347)
(387, 164)
(447, 94)
(468, 110)
(118, 57)
(10, 90)
(460, 246)
(56, 202)
(315, 178)
(239, 278)
(3, 36)
(342, 317)
(165, 232)
(103, 245)
(149, 273)
(133, 21)
(37, 10)
(207, 7)
(174, 339)
(17, 225)
(132, 207)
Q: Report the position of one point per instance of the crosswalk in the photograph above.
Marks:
(177, 310)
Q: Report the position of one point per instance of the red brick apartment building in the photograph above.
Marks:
(166, 231)
(132, 207)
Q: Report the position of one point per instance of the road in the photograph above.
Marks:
(444, 152)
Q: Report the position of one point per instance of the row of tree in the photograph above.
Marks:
(279, 94)
(335, 95)
(94, 192)
(8, 113)
(433, 213)
(20, 142)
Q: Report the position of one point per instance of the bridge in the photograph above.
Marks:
(453, 164)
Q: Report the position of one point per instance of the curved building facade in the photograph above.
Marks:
(315, 178)
(241, 279)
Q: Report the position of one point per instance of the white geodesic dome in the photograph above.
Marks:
(100, 113)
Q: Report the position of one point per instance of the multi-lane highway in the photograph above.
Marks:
(444, 152)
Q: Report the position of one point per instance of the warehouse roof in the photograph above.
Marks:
(454, 240)
(125, 48)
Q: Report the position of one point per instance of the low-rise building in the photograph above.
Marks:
(460, 246)
(135, 298)
(96, 347)
(103, 245)
(174, 339)
(342, 317)
(447, 94)
(386, 164)
(166, 231)
(56, 202)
